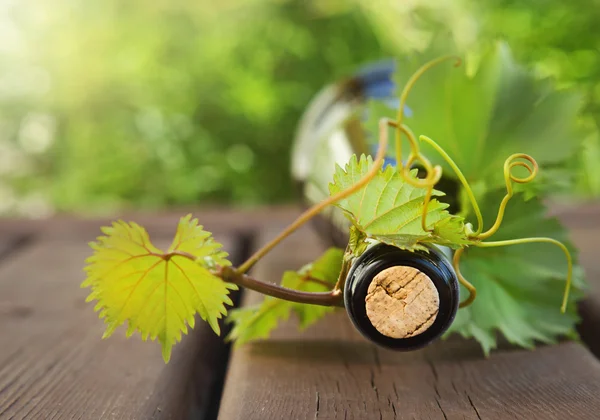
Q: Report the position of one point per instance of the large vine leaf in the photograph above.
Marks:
(157, 293)
(520, 287)
(484, 111)
(389, 210)
(257, 322)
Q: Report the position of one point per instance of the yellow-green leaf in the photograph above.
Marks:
(157, 293)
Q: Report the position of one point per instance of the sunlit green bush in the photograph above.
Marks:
(164, 103)
(115, 104)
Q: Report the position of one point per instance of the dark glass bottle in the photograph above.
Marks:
(401, 299)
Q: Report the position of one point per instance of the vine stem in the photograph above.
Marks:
(317, 208)
(231, 275)
(493, 244)
(404, 95)
(471, 289)
(433, 173)
(462, 180)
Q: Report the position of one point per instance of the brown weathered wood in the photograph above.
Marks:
(585, 233)
(329, 372)
(54, 364)
(12, 242)
(6, 244)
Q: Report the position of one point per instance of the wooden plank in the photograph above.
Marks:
(330, 372)
(6, 244)
(54, 365)
(160, 223)
(575, 215)
(583, 222)
(12, 242)
(587, 241)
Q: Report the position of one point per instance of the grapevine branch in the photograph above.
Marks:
(433, 174)
(231, 275)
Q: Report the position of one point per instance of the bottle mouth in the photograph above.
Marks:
(401, 299)
(402, 302)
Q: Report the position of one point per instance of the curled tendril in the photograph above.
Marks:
(434, 173)
(509, 178)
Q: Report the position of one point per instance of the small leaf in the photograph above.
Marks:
(356, 241)
(257, 322)
(157, 293)
(389, 209)
(451, 231)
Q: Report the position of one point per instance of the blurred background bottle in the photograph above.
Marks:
(330, 132)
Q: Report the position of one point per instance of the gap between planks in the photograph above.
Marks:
(12, 243)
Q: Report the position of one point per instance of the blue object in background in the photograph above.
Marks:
(376, 79)
(377, 84)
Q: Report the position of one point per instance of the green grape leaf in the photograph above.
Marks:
(157, 293)
(389, 210)
(482, 114)
(520, 287)
(257, 322)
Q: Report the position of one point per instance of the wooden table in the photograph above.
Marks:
(53, 364)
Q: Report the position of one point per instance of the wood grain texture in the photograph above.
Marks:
(54, 364)
(330, 372)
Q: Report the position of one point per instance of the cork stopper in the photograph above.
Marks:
(402, 302)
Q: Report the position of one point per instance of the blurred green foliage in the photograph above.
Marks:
(170, 102)
(559, 40)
